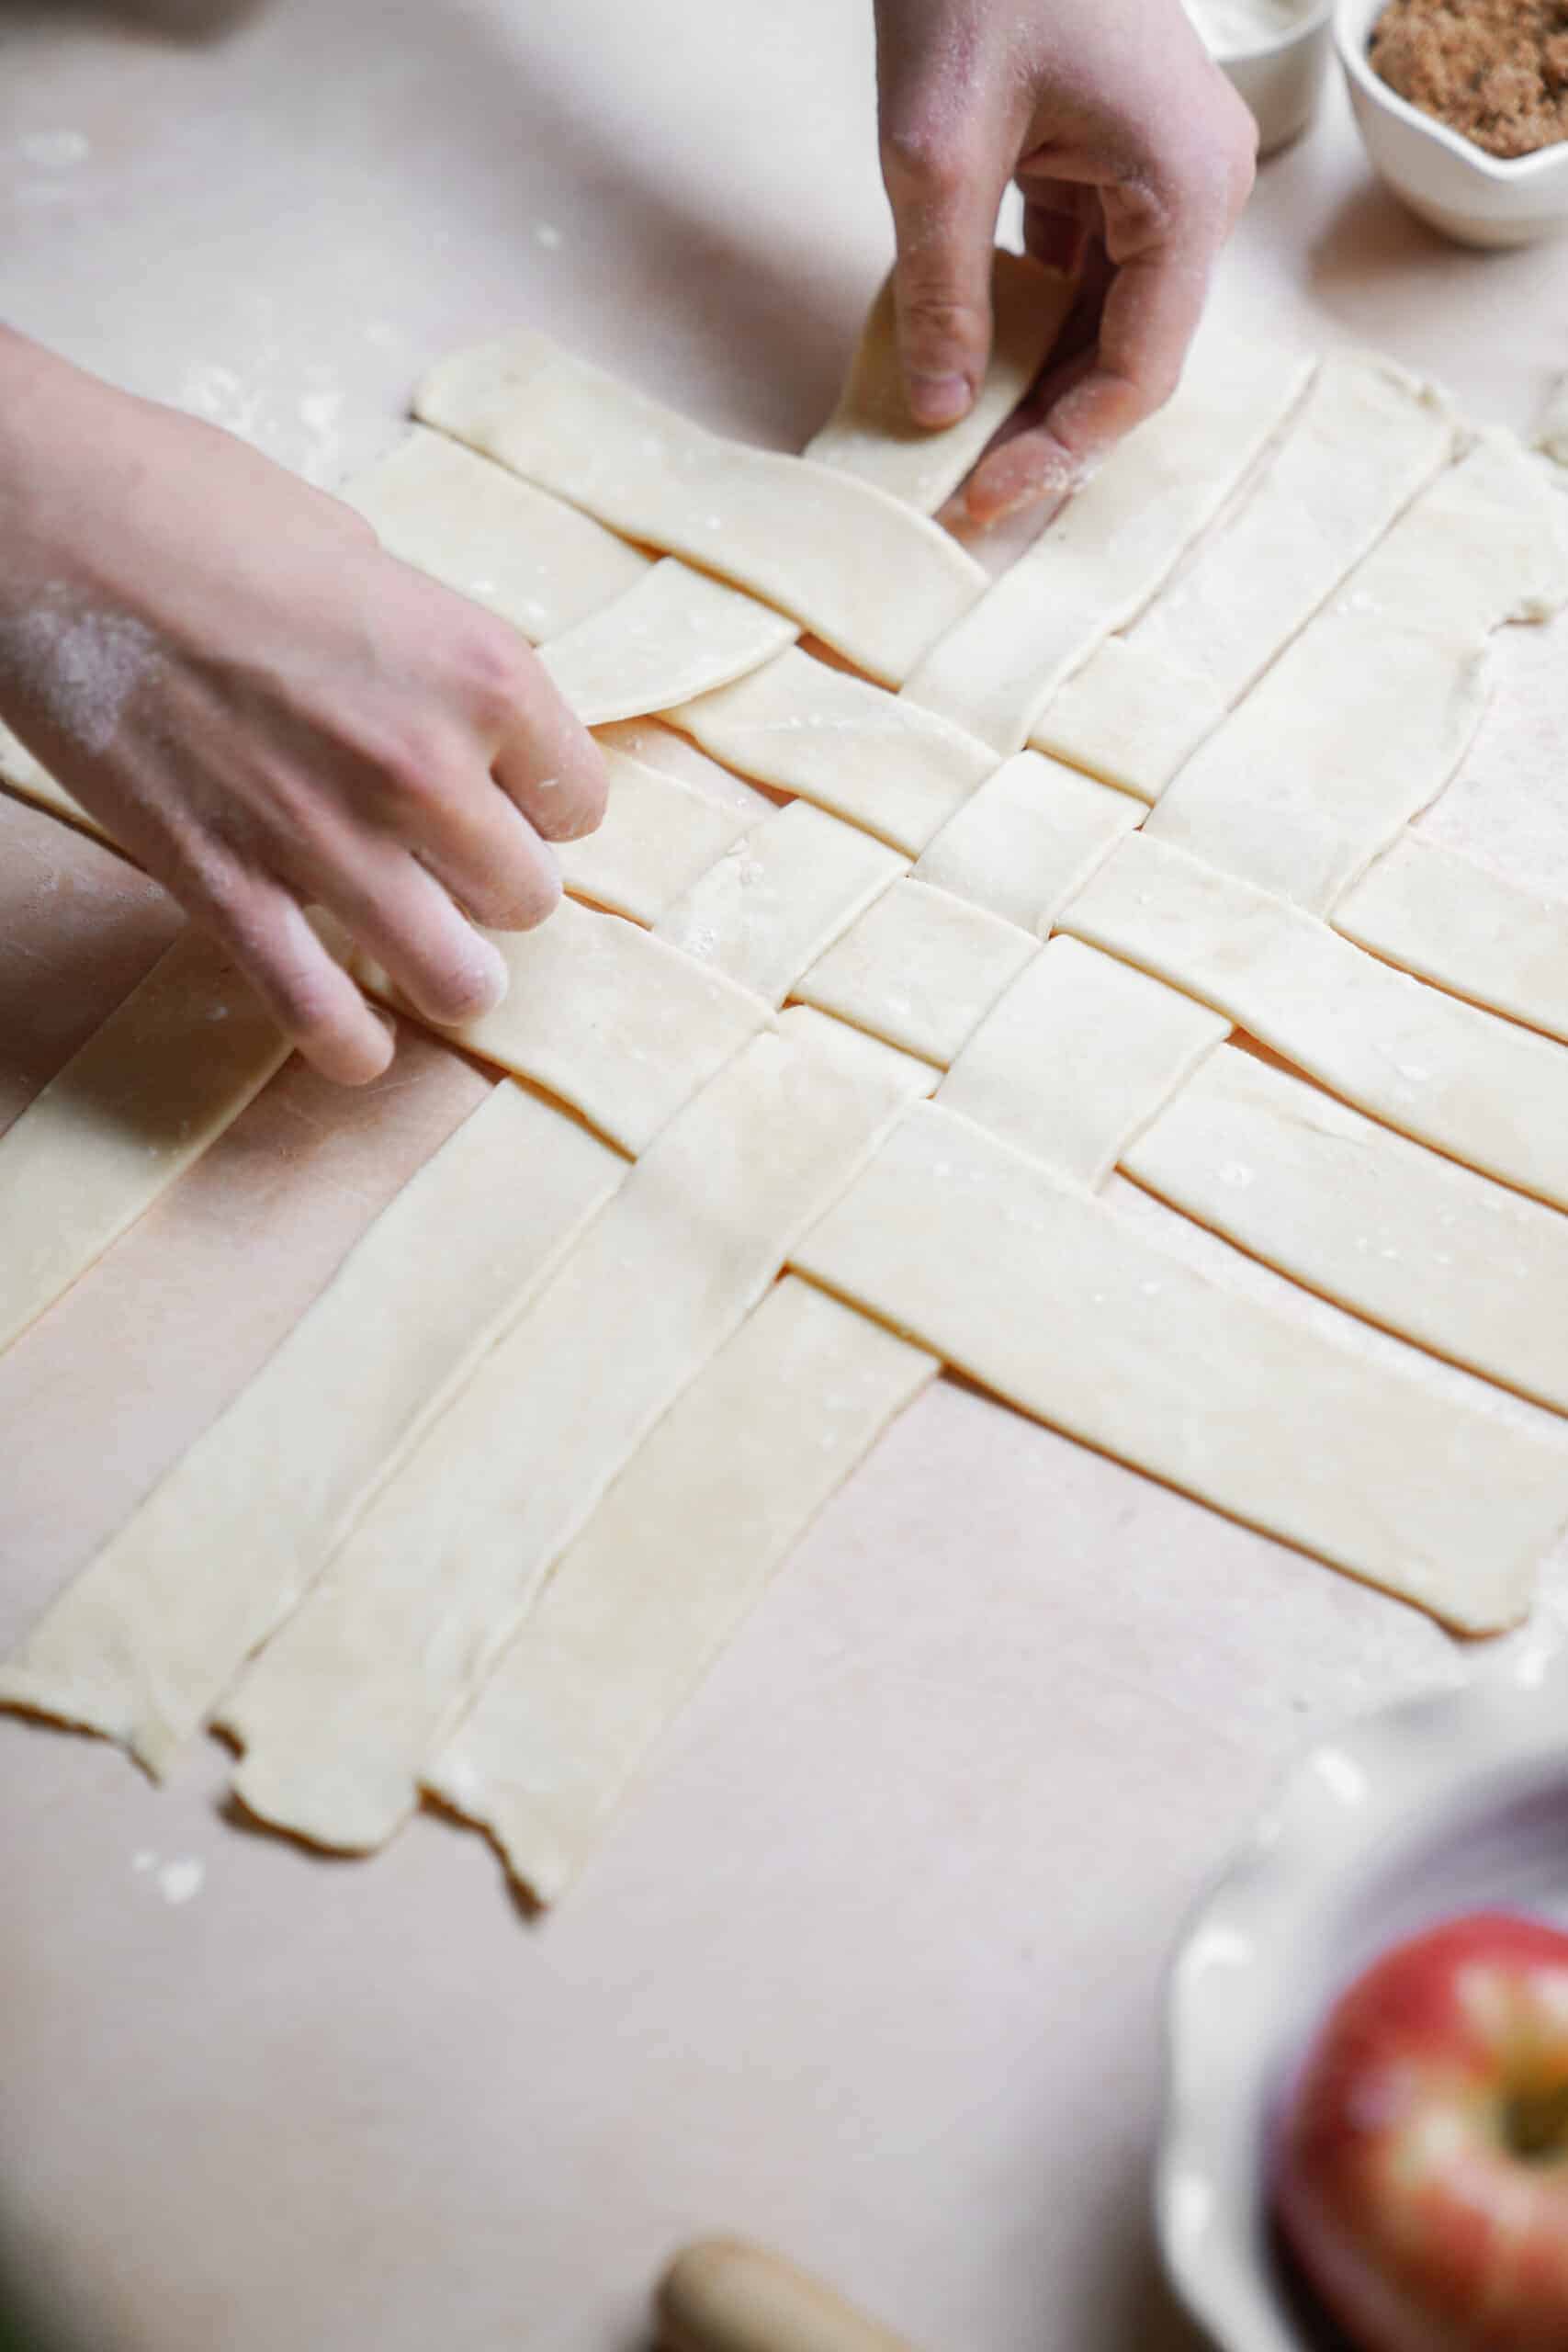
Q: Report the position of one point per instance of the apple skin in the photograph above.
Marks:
(1398, 2185)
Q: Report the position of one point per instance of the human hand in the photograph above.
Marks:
(270, 713)
(1135, 156)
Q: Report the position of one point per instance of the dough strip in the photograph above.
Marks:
(345, 1707)
(144, 1642)
(133, 1108)
(665, 1572)
(1052, 1300)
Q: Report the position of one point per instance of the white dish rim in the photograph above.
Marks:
(1314, 21)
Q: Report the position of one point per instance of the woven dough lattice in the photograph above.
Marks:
(827, 1062)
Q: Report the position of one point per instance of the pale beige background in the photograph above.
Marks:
(871, 1966)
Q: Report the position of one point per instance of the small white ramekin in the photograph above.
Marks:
(1282, 80)
(1477, 198)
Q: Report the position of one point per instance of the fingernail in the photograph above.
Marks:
(1001, 490)
(939, 400)
(491, 983)
(497, 976)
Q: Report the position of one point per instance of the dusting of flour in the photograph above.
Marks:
(80, 667)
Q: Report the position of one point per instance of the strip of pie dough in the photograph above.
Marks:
(919, 968)
(1130, 717)
(871, 434)
(527, 557)
(345, 1707)
(778, 896)
(1049, 1298)
(1477, 1088)
(1366, 439)
(1028, 840)
(1358, 729)
(1364, 719)
(1474, 932)
(619, 1025)
(658, 835)
(675, 634)
(812, 540)
(143, 1643)
(838, 740)
(665, 1572)
(1076, 1059)
(1381, 1226)
(1101, 561)
(133, 1108)
(691, 633)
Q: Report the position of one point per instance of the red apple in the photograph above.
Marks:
(1422, 2174)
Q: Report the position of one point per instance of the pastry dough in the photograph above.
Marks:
(1048, 1297)
(778, 896)
(1478, 1089)
(1364, 721)
(345, 1707)
(617, 1025)
(588, 1418)
(1130, 717)
(1381, 1226)
(659, 836)
(1433, 913)
(812, 540)
(676, 633)
(161, 1079)
(995, 670)
(145, 1640)
(1365, 439)
(919, 969)
(1348, 738)
(1077, 1057)
(529, 557)
(838, 740)
(1027, 842)
(690, 633)
(665, 1572)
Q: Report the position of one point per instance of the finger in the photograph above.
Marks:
(404, 918)
(477, 843)
(309, 996)
(946, 157)
(541, 755)
(1152, 311)
(550, 768)
(1069, 358)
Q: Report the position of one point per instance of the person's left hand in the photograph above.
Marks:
(1135, 156)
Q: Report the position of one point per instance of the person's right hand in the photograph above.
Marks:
(269, 713)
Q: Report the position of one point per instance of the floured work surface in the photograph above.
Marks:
(803, 1103)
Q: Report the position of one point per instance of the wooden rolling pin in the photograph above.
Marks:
(723, 2296)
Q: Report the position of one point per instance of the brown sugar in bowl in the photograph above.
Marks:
(1496, 71)
(1443, 176)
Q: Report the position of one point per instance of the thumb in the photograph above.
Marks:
(944, 195)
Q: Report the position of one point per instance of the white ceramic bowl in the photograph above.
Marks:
(1282, 80)
(1454, 1804)
(1480, 199)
